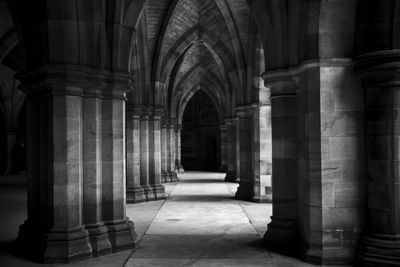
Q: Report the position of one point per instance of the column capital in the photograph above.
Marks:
(231, 121)
(139, 111)
(155, 114)
(379, 69)
(280, 83)
(59, 79)
(223, 126)
(245, 111)
(178, 127)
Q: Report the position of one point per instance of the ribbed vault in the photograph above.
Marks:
(194, 44)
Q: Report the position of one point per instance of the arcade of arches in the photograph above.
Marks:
(298, 95)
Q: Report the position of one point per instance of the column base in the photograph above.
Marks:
(53, 247)
(148, 192)
(179, 167)
(159, 191)
(98, 238)
(267, 198)
(135, 195)
(121, 234)
(230, 176)
(164, 177)
(173, 176)
(262, 199)
(379, 250)
(244, 191)
(282, 235)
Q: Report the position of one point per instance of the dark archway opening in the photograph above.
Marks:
(200, 137)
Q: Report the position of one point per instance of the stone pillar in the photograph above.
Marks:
(172, 153)
(164, 152)
(53, 231)
(144, 155)
(168, 151)
(283, 230)
(224, 147)
(120, 230)
(178, 147)
(380, 242)
(262, 149)
(245, 156)
(92, 172)
(155, 154)
(231, 150)
(11, 139)
(330, 161)
(134, 192)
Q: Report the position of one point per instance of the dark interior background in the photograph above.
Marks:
(200, 137)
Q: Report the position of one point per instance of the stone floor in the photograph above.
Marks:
(200, 224)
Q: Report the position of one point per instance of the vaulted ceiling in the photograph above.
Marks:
(189, 45)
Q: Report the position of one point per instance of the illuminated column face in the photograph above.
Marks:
(92, 175)
(144, 155)
(262, 149)
(178, 149)
(155, 154)
(134, 191)
(120, 230)
(172, 153)
(164, 152)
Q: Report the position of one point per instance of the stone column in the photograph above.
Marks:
(330, 160)
(11, 139)
(155, 154)
(134, 192)
(283, 230)
(262, 149)
(224, 147)
(164, 152)
(178, 147)
(144, 155)
(172, 153)
(53, 231)
(92, 172)
(380, 242)
(231, 150)
(245, 156)
(120, 230)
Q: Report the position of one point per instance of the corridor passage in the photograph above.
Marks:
(201, 224)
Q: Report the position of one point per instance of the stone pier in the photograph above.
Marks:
(134, 191)
(244, 155)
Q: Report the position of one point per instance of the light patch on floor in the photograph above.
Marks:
(201, 224)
